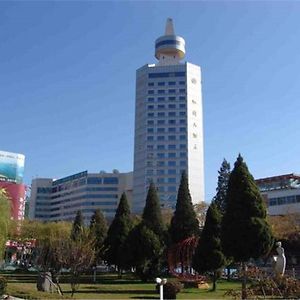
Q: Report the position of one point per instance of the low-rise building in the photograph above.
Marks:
(59, 200)
(282, 193)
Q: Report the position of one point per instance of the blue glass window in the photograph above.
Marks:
(161, 114)
(160, 163)
(161, 99)
(94, 180)
(172, 163)
(161, 83)
(161, 106)
(150, 83)
(160, 172)
(182, 105)
(160, 155)
(160, 137)
(160, 130)
(172, 106)
(150, 99)
(161, 91)
(182, 113)
(181, 82)
(160, 122)
(110, 180)
(172, 155)
(171, 147)
(171, 129)
(165, 74)
(150, 138)
(160, 147)
(171, 188)
(182, 163)
(172, 91)
(182, 121)
(172, 137)
(150, 122)
(181, 97)
(182, 137)
(150, 130)
(150, 107)
(149, 172)
(182, 154)
(150, 115)
(172, 114)
(171, 83)
(172, 171)
(171, 180)
(182, 146)
(150, 92)
(181, 90)
(172, 122)
(172, 98)
(182, 129)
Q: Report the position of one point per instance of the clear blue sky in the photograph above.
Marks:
(67, 81)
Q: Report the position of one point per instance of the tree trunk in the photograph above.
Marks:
(228, 273)
(244, 281)
(214, 282)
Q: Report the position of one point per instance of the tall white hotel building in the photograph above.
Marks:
(168, 124)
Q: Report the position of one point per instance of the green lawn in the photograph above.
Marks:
(108, 287)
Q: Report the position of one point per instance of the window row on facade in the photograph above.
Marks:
(163, 163)
(166, 91)
(166, 138)
(284, 200)
(164, 99)
(169, 106)
(166, 147)
(169, 114)
(166, 83)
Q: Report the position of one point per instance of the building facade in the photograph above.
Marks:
(168, 124)
(281, 193)
(11, 180)
(59, 200)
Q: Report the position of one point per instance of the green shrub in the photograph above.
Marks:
(3, 285)
(171, 288)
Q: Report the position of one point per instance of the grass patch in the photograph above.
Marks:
(108, 286)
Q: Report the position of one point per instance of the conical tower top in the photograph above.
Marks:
(169, 27)
(169, 47)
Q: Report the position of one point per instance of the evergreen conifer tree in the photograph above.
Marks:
(98, 233)
(245, 231)
(146, 241)
(208, 255)
(78, 226)
(184, 222)
(117, 235)
(223, 178)
(152, 217)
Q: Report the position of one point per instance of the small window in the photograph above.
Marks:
(172, 114)
(172, 122)
(171, 154)
(172, 106)
(150, 99)
(172, 147)
(161, 91)
(150, 107)
(150, 122)
(171, 83)
(181, 90)
(150, 83)
(160, 122)
(172, 137)
(160, 147)
(160, 99)
(150, 130)
(150, 115)
(172, 98)
(160, 106)
(161, 83)
(150, 92)
(172, 91)
(161, 114)
(160, 137)
(160, 130)
(171, 129)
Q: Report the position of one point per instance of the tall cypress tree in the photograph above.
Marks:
(245, 231)
(208, 255)
(223, 178)
(152, 217)
(78, 226)
(118, 232)
(146, 241)
(184, 222)
(98, 233)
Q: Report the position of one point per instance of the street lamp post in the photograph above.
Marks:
(161, 283)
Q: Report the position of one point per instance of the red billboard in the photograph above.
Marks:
(16, 193)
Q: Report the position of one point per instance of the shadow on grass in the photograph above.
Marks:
(101, 291)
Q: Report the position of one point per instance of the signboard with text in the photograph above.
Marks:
(11, 167)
